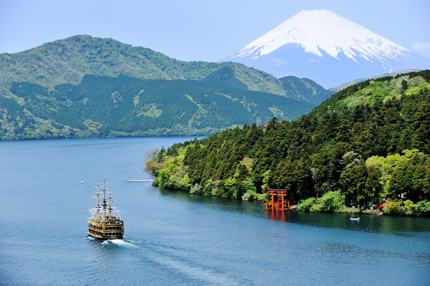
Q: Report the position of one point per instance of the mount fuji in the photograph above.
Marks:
(327, 48)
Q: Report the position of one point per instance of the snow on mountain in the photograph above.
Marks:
(325, 47)
(322, 30)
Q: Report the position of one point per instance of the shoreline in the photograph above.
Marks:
(296, 207)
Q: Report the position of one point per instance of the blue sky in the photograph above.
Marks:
(197, 29)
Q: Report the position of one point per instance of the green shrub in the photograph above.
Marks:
(248, 196)
(196, 189)
(423, 208)
(262, 197)
(305, 205)
(350, 210)
(230, 187)
(207, 189)
(316, 208)
(331, 201)
(394, 208)
(410, 207)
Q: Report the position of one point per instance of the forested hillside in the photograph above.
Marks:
(367, 144)
(85, 86)
(304, 89)
(70, 59)
(123, 106)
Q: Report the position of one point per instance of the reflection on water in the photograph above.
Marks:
(278, 216)
(370, 223)
(385, 224)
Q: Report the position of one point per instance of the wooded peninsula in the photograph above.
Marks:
(365, 149)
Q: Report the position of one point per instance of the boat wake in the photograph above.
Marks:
(207, 276)
(120, 242)
(203, 274)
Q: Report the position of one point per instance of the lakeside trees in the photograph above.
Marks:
(369, 143)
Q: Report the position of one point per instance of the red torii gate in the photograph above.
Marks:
(276, 204)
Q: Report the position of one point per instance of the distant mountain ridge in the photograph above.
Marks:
(78, 87)
(328, 48)
(68, 60)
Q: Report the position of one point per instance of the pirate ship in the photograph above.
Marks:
(105, 222)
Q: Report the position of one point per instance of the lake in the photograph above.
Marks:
(172, 238)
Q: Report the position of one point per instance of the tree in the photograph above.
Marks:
(404, 85)
(373, 186)
(353, 183)
(328, 164)
(294, 176)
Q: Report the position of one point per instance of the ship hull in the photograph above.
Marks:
(103, 237)
(105, 231)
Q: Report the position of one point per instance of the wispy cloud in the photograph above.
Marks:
(422, 48)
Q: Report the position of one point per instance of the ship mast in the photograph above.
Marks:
(97, 201)
(104, 204)
(110, 203)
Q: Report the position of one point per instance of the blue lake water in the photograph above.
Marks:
(177, 239)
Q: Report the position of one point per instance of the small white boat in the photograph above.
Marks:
(82, 182)
(354, 218)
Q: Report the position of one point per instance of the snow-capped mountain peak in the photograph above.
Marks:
(320, 32)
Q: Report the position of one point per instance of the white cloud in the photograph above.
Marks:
(422, 48)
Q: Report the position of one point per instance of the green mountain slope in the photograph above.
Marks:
(85, 86)
(68, 60)
(366, 144)
(304, 89)
(124, 106)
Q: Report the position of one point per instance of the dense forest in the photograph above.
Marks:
(85, 86)
(366, 146)
(125, 106)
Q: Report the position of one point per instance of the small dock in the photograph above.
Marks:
(131, 180)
